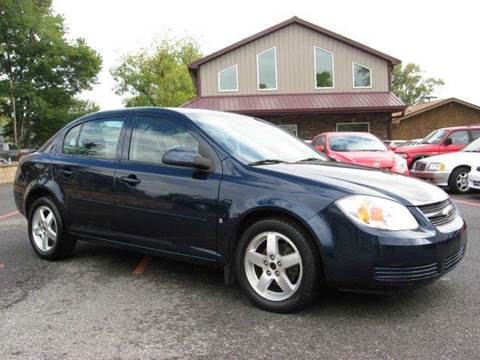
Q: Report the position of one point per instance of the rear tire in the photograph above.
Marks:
(46, 231)
(458, 181)
(278, 266)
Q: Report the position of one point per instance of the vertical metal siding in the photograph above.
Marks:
(295, 64)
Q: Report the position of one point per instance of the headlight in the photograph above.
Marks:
(377, 212)
(403, 155)
(400, 162)
(435, 167)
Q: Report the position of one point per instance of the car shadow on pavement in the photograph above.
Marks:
(169, 275)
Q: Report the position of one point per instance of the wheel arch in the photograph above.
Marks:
(36, 192)
(257, 214)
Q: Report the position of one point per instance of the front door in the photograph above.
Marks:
(169, 208)
(84, 169)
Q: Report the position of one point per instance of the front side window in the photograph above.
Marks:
(362, 76)
(99, 138)
(358, 126)
(152, 137)
(267, 70)
(459, 137)
(250, 140)
(70, 141)
(228, 79)
(323, 69)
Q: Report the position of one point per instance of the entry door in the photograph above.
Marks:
(170, 208)
(84, 168)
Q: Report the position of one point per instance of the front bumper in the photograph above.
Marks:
(474, 179)
(381, 261)
(439, 178)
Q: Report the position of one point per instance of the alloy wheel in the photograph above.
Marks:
(273, 266)
(462, 181)
(44, 228)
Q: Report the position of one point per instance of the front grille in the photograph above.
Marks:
(417, 273)
(406, 274)
(452, 260)
(420, 166)
(440, 213)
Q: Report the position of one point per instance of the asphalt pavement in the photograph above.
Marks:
(110, 304)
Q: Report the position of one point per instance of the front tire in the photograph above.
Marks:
(458, 181)
(46, 232)
(278, 266)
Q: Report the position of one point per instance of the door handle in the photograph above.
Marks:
(66, 172)
(131, 180)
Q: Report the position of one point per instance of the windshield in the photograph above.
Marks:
(435, 137)
(474, 146)
(356, 143)
(251, 140)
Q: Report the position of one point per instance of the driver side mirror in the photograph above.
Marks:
(320, 148)
(392, 147)
(187, 158)
(448, 141)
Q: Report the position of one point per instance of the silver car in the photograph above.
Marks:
(449, 170)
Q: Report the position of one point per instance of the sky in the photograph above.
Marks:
(441, 36)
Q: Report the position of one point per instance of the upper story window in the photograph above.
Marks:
(323, 69)
(267, 69)
(228, 79)
(362, 76)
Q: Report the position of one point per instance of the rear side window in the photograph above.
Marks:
(70, 141)
(99, 138)
(152, 137)
(475, 134)
(459, 137)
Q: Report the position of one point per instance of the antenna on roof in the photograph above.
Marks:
(430, 97)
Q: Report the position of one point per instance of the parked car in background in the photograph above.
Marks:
(394, 143)
(240, 194)
(441, 141)
(450, 170)
(359, 148)
(10, 152)
(474, 177)
(411, 142)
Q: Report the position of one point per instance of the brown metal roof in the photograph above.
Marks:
(295, 20)
(421, 108)
(301, 103)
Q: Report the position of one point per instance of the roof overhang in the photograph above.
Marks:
(300, 103)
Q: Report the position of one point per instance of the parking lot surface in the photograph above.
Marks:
(111, 304)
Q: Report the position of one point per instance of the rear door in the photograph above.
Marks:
(165, 207)
(84, 169)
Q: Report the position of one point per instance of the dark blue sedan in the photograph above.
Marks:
(238, 193)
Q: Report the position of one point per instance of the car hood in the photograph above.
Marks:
(456, 158)
(351, 179)
(379, 159)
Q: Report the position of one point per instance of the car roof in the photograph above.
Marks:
(337, 133)
(460, 127)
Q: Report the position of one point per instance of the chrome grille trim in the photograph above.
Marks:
(440, 213)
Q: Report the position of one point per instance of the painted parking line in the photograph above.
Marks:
(142, 265)
(466, 202)
(6, 216)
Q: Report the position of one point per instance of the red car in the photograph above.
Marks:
(359, 148)
(441, 141)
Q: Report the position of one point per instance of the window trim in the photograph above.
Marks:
(353, 76)
(315, 47)
(276, 70)
(349, 123)
(236, 78)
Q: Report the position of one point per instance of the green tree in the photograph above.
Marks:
(410, 85)
(40, 70)
(158, 77)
